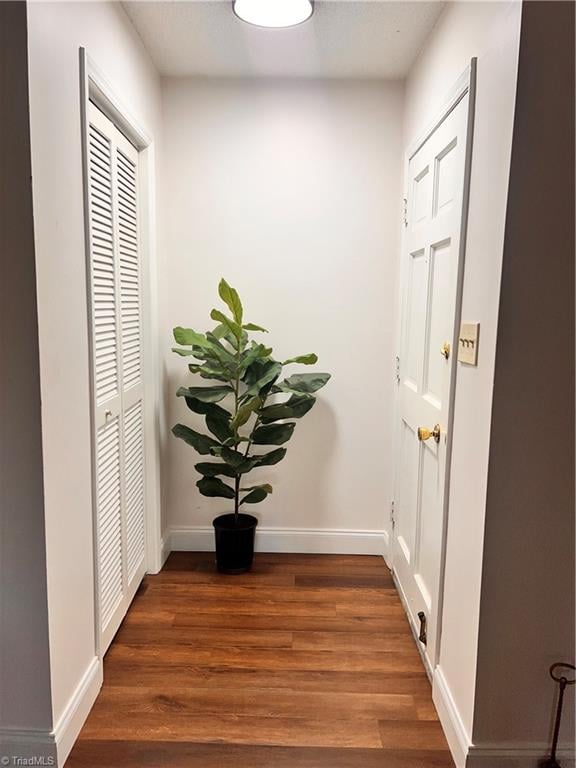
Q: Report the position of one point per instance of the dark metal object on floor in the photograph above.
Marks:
(558, 673)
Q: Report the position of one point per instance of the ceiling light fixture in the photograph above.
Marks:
(273, 13)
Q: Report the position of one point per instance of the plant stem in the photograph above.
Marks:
(236, 498)
(236, 398)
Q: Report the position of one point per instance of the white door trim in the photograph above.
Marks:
(466, 84)
(95, 87)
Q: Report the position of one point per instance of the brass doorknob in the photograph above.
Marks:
(426, 434)
(445, 350)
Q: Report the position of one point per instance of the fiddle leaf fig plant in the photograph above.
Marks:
(238, 409)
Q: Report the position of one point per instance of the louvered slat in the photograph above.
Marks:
(104, 313)
(134, 486)
(109, 520)
(130, 299)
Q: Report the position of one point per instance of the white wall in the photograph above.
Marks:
(491, 32)
(56, 31)
(291, 191)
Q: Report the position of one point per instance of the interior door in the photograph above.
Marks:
(117, 385)
(435, 195)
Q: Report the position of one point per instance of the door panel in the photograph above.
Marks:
(109, 519)
(134, 489)
(116, 332)
(431, 252)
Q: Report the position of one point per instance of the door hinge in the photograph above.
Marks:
(397, 369)
(393, 514)
(405, 211)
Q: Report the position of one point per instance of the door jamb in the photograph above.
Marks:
(466, 84)
(96, 88)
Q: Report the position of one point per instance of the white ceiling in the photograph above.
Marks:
(344, 38)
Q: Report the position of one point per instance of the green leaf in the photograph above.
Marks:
(230, 297)
(254, 327)
(235, 342)
(203, 407)
(255, 496)
(207, 372)
(229, 455)
(217, 418)
(310, 359)
(182, 352)
(213, 468)
(265, 487)
(202, 443)
(294, 408)
(219, 425)
(219, 352)
(189, 338)
(233, 442)
(260, 377)
(245, 411)
(273, 434)
(206, 394)
(303, 382)
(212, 486)
(256, 352)
(230, 324)
(220, 331)
(268, 459)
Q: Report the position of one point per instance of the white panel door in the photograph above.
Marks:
(116, 332)
(430, 283)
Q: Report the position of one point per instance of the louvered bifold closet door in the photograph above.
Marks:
(115, 300)
(129, 262)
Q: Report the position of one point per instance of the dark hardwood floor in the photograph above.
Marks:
(306, 662)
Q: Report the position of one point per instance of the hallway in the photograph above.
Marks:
(306, 662)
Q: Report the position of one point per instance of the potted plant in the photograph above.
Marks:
(245, 377)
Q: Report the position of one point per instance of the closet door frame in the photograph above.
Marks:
(96, 88)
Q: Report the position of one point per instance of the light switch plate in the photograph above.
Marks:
(468, 343)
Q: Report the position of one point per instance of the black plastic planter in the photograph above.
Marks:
(234, 542)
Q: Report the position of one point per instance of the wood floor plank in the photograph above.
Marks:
(378, 579)
(290, 622)
(373, 596)
(229, 729)
(153, 618)
(412, 735)
(256, 702)
(199, 637)
(265, 658)
(305, 662)
(241, 607)
(353, 642)
(368, 608)
(157, 754)
(333, 562)
(186, 561)
(211, 576)
(171, 675)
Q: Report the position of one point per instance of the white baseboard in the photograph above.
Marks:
(454, 729)
(79, 705)
(165, 548)
(340, 541)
